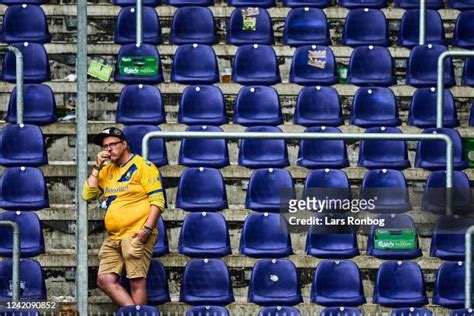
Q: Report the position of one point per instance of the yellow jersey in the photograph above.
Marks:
(129, 191)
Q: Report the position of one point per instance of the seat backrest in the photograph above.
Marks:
(371, 65)
(35, 64)
(255, 64)
(365, 27)
(448, 239)
(257, 105)
(269, 187)
(313, 65)
(450, 282)
(15, 29)
(423, 64)
(195, 64)
(408, 35)
(411, 311)
(341, 311)
(156, 146)
(23, 145)
(384, 152)
(463, 31)
(468, 72)
(31, 276)
(318, 106)
(305, 26)
(193, 25)
(423, 109)
(140, 104)
(31, 234)
(249, 26)
(374, 106)
(279, 310)
(254, 3)
(207, 310)
(202, 105)
(138, 310)
(399, 280)
(125, 30)
(332, 183)
(127, 75)
(337, 279)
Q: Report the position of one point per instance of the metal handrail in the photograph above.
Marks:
(139, 26)
(19, 81)
(15, 259)
(422, 35)
(467, 280)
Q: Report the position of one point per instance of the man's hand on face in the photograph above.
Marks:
(142, 236)
(102, 157)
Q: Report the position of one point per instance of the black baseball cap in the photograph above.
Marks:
(108, 132)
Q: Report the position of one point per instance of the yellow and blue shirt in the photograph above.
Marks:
(129, 191)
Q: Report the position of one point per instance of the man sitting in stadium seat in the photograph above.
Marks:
(134, 197)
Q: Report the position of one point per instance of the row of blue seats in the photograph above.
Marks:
(276, 282)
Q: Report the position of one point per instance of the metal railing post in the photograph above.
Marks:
(139, 27)
(467, 281)
(19, 81)
(422, 35)
(440, 81)
(15, 259)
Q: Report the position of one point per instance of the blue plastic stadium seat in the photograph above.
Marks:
(390, 188)
(268, 189)
(238, 34)
(423, 109)
(337, 283)
(202, 105)
(378, 154)
(341, 311)
(448, 239)
(254, 65)
(16, 30)
(157, 147)
(125, 3)
(423, 64)
(125, 30)
(461, 4)
(410, 26)
(400, 284)
(334, 154)
(195, 64)
(434, 197)
(204, 235)
(358, 4)
(274, 282)
(313, 65)
(413, 4)
(31, 276)
(31, 234)
(449, 286)
(19, 312)
(193, 25)
(262, 153)
(394, 222)
(140, 104)
(34, 2)
(332, 242)
(207, 311)
(265, 236)
(23, 188)
(144, 50)
(203, 152)
(252, 3)
(22, 145)
(464, 29)
(187, 3)
(318, 106)
(431, 154)
(330, 183)
(206, 282)
(411, 311)
(35, 64)
(258, 105)
(306, 26)
(161, 246)
(201, 189)
(371, 65)
(365, 27)
(468, 73)
(279, 311)
(39, 105)
(138, 310)
(306, 3)
(462, 312)
(373, 107)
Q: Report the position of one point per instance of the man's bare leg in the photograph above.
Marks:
(138, 289)
(108, 282)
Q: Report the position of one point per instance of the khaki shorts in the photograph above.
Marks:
(128, 252)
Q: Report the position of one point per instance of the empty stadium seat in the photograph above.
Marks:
(262, 153)
(365, 27)
(378, 154)
(156, 146)
(318, 106)
(411, 311)
(373, 107)
(462, 312)
(409, 33)
(22, 145)
(253, 3)
(202, 105)
(14, 28)
(279, 311)
(257, 105)
(259, 30)
(161, 246)
(204, 235)
(31, 234)
(268, 189)
(341, 311)
(413, 4)
(334, 154)
(201, 190)
(35, 64)
(184, 3)
(255, 64)
(138, 310)
(39, 105)
(200, 152)
(434, 197)
(431, 154)
(423, 64)
(140, 104)
(448, 239)
(23, 188)
(337, 283)
(390, 188)
(34, 2)
(265, 235)
(31, 276)
(464, 29)
(449, 286)
(330, 183)
(461, 4)
(193, 25)
(19, 312)
(141, 53)
(394, 222)
(358, 4)
(306, 3)
(423, 109)
(274, 282)
(400, 284)
(125, 3)
(207, 311)
(306, 26)
(195, 64)
(313, 65)
(206, 282)
(468, 72)
(126, 28)
(371, 65)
